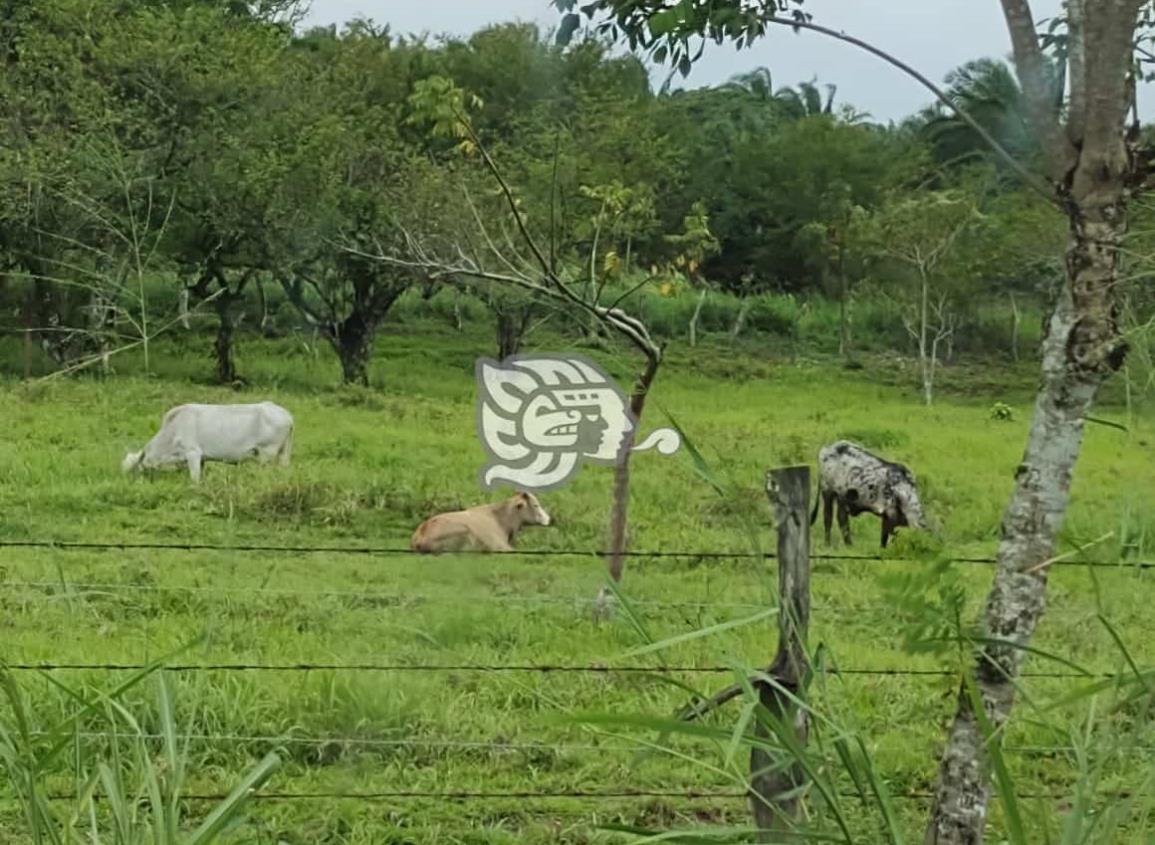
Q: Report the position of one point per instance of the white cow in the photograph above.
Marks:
(191, 434)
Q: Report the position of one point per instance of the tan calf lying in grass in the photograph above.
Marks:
(485, 527)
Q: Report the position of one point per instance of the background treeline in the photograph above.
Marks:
(204, 165)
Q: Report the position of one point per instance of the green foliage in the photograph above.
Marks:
(124, 793)
(239, 161)
(666, 32)
(1002, 412)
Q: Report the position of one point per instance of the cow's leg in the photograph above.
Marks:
(827, 513)
(887, 528)
(193, 457)
(286, 451)
(490, 539)
(844, 520)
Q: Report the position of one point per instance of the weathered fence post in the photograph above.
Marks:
(775, 784)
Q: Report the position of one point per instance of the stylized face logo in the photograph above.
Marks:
(539, 416)
(592, 421)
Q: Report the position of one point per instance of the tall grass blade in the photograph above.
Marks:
(699, 633)
(631, 612)
(1126, 652)
(227, 812)
(891, 829)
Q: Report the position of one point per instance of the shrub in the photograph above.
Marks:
(1002, 412)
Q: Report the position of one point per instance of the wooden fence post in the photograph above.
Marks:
(774, 784)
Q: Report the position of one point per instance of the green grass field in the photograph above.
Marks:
(369, 465)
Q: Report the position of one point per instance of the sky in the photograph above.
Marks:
(933, 36)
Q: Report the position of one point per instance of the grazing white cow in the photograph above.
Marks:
(486, 527)
(192, 434)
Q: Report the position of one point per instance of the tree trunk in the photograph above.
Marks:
(619, 514)
(223, 346)
(694, 319)
(843, 304)
(510, 328)
(1081, 349)
(932, 366)
(352, 339)
(457, 323)
(29, 324)
(740, 320)
(923, 320)
(263, 325)
(1015, 318)
(101, 322)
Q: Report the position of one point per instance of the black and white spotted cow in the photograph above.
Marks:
(860, 482)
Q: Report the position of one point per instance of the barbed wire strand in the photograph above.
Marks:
(67, 589)
(584, 795)
(367, 742)
(545, 668)
(403, 551)
(489, 745)
(398, 598)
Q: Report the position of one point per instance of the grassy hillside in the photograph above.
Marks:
(370, 464)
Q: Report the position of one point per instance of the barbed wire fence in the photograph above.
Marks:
(63, 586)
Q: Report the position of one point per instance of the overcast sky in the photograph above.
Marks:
(933, 36)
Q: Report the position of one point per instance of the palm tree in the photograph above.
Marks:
(790, 103)
(806, 101)
(988, 91)
(758, 84)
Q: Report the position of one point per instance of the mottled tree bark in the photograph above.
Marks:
(1081, 350)
(1018, 598)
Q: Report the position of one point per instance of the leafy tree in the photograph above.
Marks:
(919, 233)
(832, 243)
(232, 144)
(348, 183)
(789, 179)
(692, 246)
(110, 116)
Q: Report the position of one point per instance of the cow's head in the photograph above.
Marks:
(529, 509)
(132, 461)
(908, 505)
